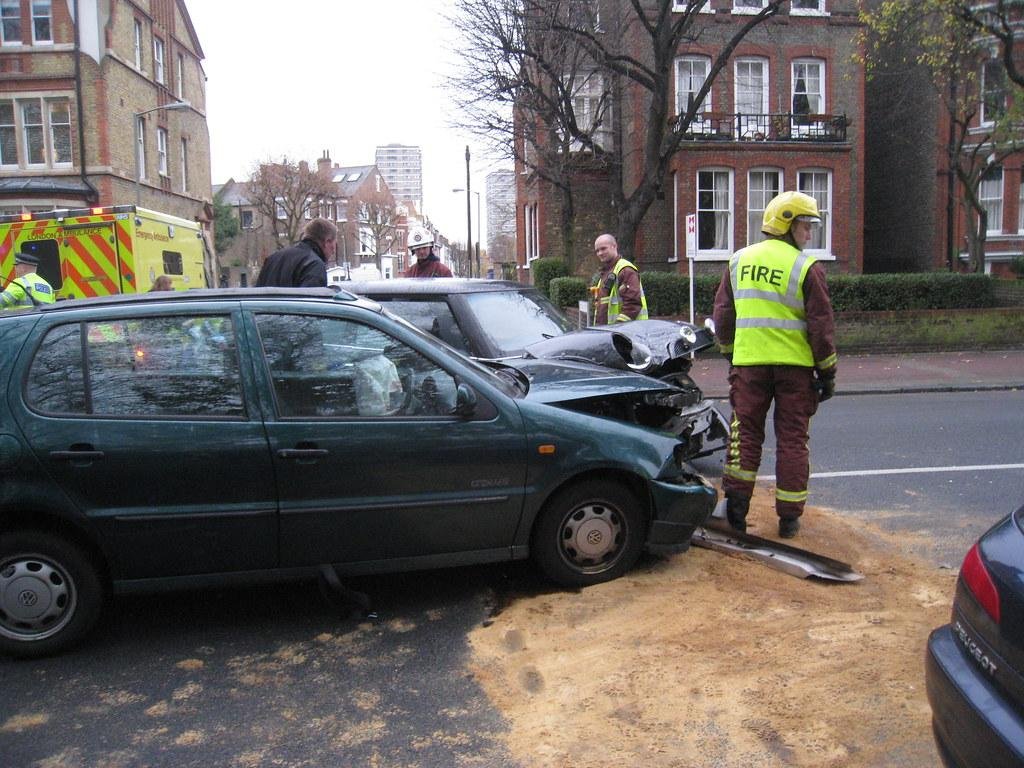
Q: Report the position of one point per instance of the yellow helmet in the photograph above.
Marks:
(786, 208)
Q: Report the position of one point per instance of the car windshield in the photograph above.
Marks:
(512, 320)
(510, 385)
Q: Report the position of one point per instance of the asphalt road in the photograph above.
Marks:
(941, 465)
(277, 676)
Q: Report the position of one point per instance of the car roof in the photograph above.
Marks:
(206, 294)
(437, 286)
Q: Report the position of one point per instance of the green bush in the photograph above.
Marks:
(668, 294)
(545, 270)
(568, 291)
(924, 290)
(1017, 267)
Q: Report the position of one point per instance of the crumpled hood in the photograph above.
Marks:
(653, 347)
(559, 381)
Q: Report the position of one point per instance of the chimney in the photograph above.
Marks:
(323, 165)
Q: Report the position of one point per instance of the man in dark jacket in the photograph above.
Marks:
(303, 264)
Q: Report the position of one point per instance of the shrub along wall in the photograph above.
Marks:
(669, 294)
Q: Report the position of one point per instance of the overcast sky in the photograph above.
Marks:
(300, 77)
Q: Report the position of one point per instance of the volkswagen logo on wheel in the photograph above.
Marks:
(28, 598)
(594, 538)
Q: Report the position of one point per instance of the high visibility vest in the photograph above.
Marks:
(27, 291)
(615, 303)
(767, 286)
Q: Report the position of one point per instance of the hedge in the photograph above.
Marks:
(545, 270)
(669, 294)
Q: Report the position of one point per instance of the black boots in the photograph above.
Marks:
(736, 508)
(788, 526)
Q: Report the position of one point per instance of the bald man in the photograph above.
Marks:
(620, 295)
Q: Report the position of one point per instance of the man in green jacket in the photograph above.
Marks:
(774, 322)
(27, 289)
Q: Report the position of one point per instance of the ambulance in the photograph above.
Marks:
(102, 251)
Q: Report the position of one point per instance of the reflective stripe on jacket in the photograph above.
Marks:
(767, 283)
(615, 303)
(27, 291)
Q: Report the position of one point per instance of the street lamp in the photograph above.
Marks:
(478, 223)
(140, 139)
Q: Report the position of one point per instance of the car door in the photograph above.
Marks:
(370, 463)
(142, 419)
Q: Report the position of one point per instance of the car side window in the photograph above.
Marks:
(154, 366)
(434, 317)
(331, 367)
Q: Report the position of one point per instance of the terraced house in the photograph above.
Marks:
(779, 107)
(107, 108)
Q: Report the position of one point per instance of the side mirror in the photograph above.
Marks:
(465, 402)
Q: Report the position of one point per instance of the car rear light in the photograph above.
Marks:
(977, 579)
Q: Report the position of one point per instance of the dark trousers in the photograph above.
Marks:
(752, 390)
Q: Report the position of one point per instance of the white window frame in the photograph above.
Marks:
(159, 72)
(184, 164)
(282, 214)
(52, 127)
(6, 15)
(755, 122)
(748, 7)
(680, 6)
(803, 69)
(140, 147)
(685, 66)
(11, 129)
(984, 118)
(138, 45)
(587, 99)
(718, 208)
(161, 151)
(246, 219)
(990, 195)
(37, 6)
(758, 196)
(179, 83)
(817, 182)
(814, 8)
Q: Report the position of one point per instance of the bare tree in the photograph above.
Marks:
(373, 223)
(552, 76)
(287, 194)
(1001, 20)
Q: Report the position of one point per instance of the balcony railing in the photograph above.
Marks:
(718, 126)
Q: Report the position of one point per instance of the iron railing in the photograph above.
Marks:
(718, 126)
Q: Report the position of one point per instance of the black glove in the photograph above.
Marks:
(826, 386)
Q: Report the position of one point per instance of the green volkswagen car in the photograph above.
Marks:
(211, 437)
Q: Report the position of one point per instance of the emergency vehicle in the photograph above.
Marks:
(102, 251)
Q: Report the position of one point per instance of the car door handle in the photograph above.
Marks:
(79, 455)
(301, 453)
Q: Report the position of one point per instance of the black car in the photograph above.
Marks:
(975, 664)
(509, 321)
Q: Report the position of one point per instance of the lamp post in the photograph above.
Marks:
(139, 138)
(469, 245)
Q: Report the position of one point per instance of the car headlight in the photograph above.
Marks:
(639, 357)
(689, 334)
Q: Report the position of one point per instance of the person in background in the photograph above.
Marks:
(774, 321)
(27, 289)
(421, 246)
(162, 283)
(617, 287)
(303, 264)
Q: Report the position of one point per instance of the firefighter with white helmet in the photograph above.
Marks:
(775, 325)
(421, 246)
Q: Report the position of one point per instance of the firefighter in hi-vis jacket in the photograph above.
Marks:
(774, 322)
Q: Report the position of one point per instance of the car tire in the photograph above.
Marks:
(50, 594)
(588, 533)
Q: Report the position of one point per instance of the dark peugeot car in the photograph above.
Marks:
(975, 664)
(505, 320)
(210, 437)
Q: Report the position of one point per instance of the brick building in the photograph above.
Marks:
(786, 113)
(81, 121)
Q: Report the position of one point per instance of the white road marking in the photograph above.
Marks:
(908, 471)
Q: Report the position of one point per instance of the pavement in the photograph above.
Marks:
(897, 373)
